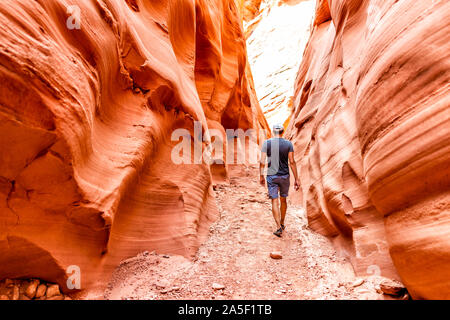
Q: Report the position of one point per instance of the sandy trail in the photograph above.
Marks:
(236, 257)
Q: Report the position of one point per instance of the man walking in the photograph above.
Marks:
(280, 154)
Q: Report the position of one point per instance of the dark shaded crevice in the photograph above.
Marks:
(8, 198)
(323, 13)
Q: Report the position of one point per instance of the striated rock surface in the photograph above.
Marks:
(90, 94)
(276, 37)
(371, 128)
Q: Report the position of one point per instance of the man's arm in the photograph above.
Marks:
(262, 165)
(293, 166)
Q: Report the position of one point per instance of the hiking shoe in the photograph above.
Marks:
(283, 227)
(278, 232)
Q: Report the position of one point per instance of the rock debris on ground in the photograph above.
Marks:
(241, 258)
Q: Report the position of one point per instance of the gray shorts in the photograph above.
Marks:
(278, 183)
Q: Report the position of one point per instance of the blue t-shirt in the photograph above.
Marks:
(277, 150)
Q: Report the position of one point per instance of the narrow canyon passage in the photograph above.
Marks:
(235, 263)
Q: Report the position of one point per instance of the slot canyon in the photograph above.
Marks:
(96, 97)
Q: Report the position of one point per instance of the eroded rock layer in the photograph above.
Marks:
(90, 94)
(371, 128)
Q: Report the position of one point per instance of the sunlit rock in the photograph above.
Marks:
(371, 129)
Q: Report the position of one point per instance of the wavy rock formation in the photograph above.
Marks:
(90, 94)
(371, 128)
(276, 37)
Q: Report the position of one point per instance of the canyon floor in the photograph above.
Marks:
(235, 262)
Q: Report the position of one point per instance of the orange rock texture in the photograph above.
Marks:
(90, 94)
(371, 128)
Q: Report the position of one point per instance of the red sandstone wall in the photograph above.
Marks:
(371, 128)
(85, 119)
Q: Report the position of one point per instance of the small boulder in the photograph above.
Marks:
(30, 291)
(276, 255)
(218, 286)
(392, 287)
(41, 290)
(357, 282)
(16, 293)
(53, 290)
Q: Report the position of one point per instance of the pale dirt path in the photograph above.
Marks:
(236, 255)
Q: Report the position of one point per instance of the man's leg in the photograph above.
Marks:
(283, 208)
(273, 189)
(276, 212)
(284, 192)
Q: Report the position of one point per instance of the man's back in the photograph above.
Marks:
(277, 150)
